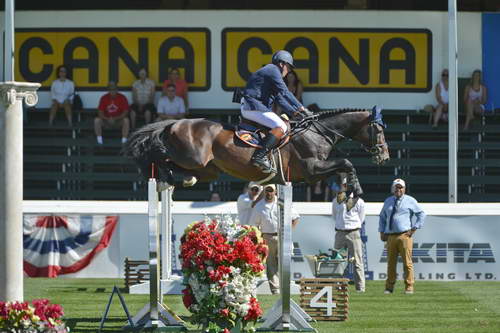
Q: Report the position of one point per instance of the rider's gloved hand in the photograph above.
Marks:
(303, 112)
(307, 113)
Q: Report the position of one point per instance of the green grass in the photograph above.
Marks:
(436, 307)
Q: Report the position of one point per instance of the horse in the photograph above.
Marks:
(201, 149)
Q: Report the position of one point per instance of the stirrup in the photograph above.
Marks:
(263, 166)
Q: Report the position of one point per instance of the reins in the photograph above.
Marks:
(327, 132)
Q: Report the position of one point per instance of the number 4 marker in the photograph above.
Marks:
(329, 305)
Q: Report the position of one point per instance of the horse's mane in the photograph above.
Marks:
(335, 112)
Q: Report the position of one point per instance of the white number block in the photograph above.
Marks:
(329, 304)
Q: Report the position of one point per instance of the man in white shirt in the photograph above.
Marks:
(246, 202)
(265, 217)
(61, 91)
(349, 214)
(170, 106)
(143, 94)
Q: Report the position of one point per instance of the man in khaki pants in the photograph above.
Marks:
(400, 217)
(265, 217)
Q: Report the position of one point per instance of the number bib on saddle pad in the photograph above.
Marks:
(249, 135)
(253, 136)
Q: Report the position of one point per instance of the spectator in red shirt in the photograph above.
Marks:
(112, 113)
(181, 86)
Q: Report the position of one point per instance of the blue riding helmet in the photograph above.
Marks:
(283, 56)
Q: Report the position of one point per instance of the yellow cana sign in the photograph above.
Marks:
(334, 59)
(97, 55)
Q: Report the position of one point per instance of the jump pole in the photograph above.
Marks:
(286, 315)
(155, 315)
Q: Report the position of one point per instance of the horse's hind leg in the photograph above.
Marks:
(206, 174)
(167, 170)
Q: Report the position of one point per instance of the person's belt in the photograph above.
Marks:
(270, 233)
(397, 233)
(347, 230)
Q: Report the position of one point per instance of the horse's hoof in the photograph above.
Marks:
(189, 181)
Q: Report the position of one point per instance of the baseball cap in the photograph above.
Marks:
(399, 181)
(270, 186)
(254, 184)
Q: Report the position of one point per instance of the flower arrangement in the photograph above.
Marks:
(221, 263)
(39, 316)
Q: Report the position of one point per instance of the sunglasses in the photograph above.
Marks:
(255, 189)
(398, 187)
(444, 75)
(270, 190)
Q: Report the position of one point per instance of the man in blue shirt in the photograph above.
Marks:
(264, 88)
(400, 217)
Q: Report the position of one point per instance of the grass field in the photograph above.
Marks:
(436, 307)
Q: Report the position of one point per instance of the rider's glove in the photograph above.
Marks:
(306, 113)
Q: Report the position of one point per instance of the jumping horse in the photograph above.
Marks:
(200, 149)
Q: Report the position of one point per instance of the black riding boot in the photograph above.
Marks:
(259, 158)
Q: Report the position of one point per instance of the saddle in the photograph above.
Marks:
(251, 133)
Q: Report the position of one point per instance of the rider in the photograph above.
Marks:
(265, 87)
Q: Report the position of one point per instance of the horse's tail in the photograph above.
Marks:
(146, 144)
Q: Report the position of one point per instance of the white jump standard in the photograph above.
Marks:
(286, 315)
(155, 314)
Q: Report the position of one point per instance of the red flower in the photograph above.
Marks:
(226, 331)
(3, 310)
(224, 312)
(54, 311)
(187, 297)
(255, 311)
(18, 306)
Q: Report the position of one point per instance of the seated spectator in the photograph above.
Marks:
(215, 196)
(112, 113)
(318, 192)
(181, 86)
(441, 112)
(294, 84)
(143, 94)
(61, 90)
(475, 96)
(169, 105)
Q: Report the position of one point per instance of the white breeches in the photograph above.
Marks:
(268, 119)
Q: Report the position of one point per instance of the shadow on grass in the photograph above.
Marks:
(92, 324)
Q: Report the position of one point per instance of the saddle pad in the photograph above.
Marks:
(250, 138)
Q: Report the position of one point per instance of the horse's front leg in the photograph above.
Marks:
(316, 170)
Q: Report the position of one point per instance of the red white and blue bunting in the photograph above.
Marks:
(55, 245)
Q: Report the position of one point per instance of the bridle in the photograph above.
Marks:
(375, 148)
(374, 128)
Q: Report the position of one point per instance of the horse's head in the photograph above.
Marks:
(371, 135)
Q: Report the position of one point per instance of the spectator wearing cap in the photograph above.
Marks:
(265, 217)
(246, 200)
(400, 217)
(348, 214)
